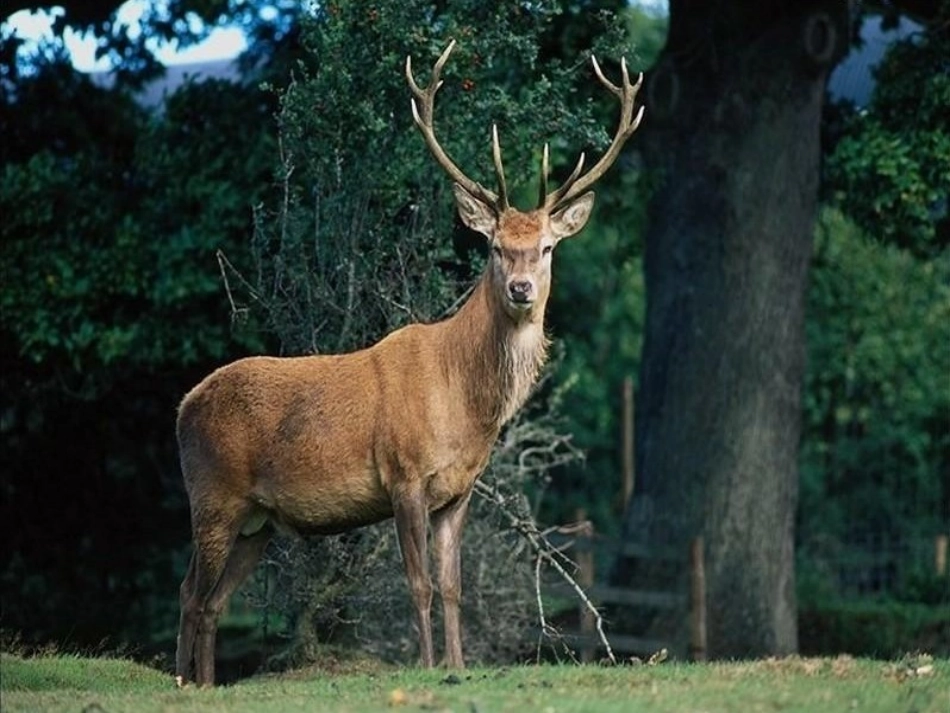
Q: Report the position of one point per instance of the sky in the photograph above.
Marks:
(223, 43)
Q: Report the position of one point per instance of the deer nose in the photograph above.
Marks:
(520, 291)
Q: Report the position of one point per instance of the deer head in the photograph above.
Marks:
(522, 243)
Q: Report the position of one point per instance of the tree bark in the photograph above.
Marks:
(732, 132)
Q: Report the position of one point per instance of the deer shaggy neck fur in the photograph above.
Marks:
(507, 354)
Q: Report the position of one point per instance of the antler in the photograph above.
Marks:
(422, 112)
(575, 183)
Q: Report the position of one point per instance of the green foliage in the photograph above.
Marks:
(890, 171)
(350, 150)
(110, 238)
(597, 310)
(875, 445)
(111, 306)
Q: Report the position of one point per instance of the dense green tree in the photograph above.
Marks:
(890, 168)
(875, 451)
(111, 305)
(875, 446)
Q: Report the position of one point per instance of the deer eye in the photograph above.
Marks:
(546, 250)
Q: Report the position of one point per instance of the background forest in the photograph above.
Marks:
(294, 210)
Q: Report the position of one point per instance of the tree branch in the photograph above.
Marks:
(525, 526)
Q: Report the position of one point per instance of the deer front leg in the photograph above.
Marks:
(447, 533)
(412, 516)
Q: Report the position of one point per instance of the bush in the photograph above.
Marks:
(879, 629)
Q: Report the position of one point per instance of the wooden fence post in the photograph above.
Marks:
(940, 554)
(585, 578)
(628, 444)
(697, 601)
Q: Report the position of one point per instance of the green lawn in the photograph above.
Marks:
(77, 685)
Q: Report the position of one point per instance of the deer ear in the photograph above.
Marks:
(476, 214)
(572, 218)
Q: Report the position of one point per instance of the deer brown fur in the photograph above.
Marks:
(324, 444)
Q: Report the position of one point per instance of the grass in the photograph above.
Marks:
(76, 684)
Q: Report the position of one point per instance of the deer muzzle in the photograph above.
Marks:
(521, 293)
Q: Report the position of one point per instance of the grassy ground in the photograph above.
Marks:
(84, 685)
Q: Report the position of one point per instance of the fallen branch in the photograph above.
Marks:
(545, 551)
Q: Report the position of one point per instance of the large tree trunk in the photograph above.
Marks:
(732, 130)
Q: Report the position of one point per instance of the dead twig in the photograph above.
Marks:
(546, 551)
(224, 267)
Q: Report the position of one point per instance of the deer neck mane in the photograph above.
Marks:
(497, 358)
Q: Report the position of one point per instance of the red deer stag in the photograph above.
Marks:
(402, 429)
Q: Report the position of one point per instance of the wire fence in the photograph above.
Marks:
(876, 565)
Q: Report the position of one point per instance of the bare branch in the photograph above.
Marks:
(544, 550)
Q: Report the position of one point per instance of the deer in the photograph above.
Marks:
(323, 444)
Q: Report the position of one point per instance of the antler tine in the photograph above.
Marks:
(550, 200)
(627, 93)
(499, 169)
(423, 101)
(545, 170)
(606, 82)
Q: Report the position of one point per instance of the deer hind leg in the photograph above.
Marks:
(245, 554)
(447, 527)
(212, 547)
(412, 518)
(222, 560)
(188, 624)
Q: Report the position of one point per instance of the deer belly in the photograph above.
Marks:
(327, 502)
